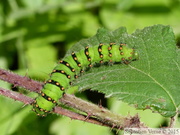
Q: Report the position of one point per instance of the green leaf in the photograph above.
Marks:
(12, 115)
(152, 82)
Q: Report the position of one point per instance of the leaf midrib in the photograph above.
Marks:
(154, 80)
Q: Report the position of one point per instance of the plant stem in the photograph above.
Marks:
(95, 114)
(27, 100)
(102, 114)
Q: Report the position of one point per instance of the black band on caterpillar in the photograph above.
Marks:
(86, 51)
(48, 98)
(100, 50)
(68, 65)
(75, 59)
(38, 109)
(62, 72)
(71, 66)
(56, 84)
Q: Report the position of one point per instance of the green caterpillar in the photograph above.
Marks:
(70, 68)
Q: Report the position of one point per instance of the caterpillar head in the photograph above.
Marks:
(129, 54)
(135, 55)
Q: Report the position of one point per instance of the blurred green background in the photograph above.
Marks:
(34, 34)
